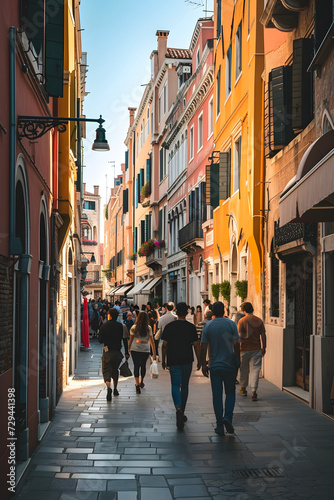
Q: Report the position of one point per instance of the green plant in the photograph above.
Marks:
(132, 256)
(106, 212)
(225, 290)
(108, 273)
(241, 289)
(145, 191)
(215, 287)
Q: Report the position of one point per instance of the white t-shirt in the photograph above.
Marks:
(140, 344)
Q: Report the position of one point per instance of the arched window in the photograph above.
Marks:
(326, 124)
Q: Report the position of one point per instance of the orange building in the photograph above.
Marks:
(236, 174)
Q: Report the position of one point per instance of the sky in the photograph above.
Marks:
(119, 37)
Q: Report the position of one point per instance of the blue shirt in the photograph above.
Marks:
(219, 333)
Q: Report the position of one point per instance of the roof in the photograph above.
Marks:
(178, 53)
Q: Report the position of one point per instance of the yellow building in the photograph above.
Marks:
(236, 174)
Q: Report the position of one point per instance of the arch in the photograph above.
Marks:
(22, 205)
(327, 122)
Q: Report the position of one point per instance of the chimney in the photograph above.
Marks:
(162, 45)
(83, 187)
(132, 115)
(96, 190)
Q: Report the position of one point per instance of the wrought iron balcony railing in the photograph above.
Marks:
(191, 235)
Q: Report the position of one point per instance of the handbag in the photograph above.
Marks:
(154, 370)
(157, 336)
(125, 370)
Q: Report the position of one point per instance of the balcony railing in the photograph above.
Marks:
(191, 236)
(154, 260)
(93, 277)
(295, 231)
(84, 241)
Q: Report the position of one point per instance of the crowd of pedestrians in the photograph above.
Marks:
(222, 346)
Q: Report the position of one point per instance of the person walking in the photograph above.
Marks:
(253, 344)
(198, 315)
(168, 317)
(178, 339)
(111, 335)
(141, 339)
(220, 334)
(153, 321)
(206, 306)
(199, 329)
(95, 319)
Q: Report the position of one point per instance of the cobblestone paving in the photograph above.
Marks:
(130, 449)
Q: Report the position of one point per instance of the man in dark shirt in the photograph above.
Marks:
(111, 335)
(178, 339)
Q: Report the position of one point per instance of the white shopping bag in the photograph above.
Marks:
(154, 370)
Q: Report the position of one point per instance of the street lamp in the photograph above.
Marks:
(92, 259)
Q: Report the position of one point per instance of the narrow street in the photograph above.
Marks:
(129, 449)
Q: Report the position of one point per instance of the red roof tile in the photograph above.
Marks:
(178, 53)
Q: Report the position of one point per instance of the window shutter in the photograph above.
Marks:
(125, 201)
(54, 47)
(224, 161)
(207, 184)
(135, 240)
(142, 177)
(160, 226)
(146, 228)
(214, 185)
(142, 231)
(161, 164)
(32, 23)
(203, 202)
(148, 170)
(196, 203)
(281, 106)
(126, 159)
(323, 18)
(137, 192)
(302, 101)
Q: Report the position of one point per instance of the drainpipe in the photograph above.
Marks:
(15, 246)
(79, 157)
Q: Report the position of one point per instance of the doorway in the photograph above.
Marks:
(299, 287)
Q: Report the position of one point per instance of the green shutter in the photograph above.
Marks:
(142, 177)
(54, 47)
(125, 201)
(302, 98)
(126, 159)
(148, 170)
(142, 231)
(160, 226)
(280, 106)
(135, 240)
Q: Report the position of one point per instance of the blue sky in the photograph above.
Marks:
(119, 38)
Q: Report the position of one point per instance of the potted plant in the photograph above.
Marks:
(225, 290)
(132, 256)
(241, 289)
(215, 287)
(145, 192)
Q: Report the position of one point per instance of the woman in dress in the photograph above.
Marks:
(141, 339)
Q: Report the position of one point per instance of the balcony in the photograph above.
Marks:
(93, 277)
(191, 237)
(154, 260)
(84, 241)
(282, 14)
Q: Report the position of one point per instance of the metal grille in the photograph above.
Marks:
(258, 473)
(246, 417)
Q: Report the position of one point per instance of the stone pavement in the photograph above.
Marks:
(130, 449)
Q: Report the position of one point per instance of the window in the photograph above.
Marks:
(159, 109)
(184, 102)
(142, 133)
(197, 58)
(165, 99)
(191, 152)
(161, 166)
(89, 205)
(218, 94)
(152, 123)
(238, 53)
(200, 132)
(148, 123)
(236, 165)
(219, 17)
(228, 71)
(210, 117)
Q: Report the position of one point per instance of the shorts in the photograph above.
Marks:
(110, 363)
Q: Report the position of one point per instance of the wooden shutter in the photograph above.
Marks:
(203, 201)
(224, 161)
(161, 164)
(207, 184)
(196, 203)
(54, 47)
(125, 201)
(135, 240)
(281, 106)
(33, 23)
(214, 185)
(137, 192)
(142, 231)
(142, 177)
(148, 170)
(302, 101)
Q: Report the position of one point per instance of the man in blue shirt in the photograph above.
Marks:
(221, 334)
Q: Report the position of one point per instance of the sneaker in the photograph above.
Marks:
(138, 391)
(220, 430)
(179, 420)
(142, 385)
(243, 391)
(109, 394)
(254, 396)
(228, 426)
(116, 393)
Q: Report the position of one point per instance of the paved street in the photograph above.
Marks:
(130, 449)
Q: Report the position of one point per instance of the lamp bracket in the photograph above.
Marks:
(34, 127)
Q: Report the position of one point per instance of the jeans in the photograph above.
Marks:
(179, 376)
(250, 366)
(217, 378)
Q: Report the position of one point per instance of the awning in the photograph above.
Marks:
(124, 288)
(113, 290)
(309, 196)
(136, 290)
(149, 287)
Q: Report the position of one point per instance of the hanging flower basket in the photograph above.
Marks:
(132, 256)
(149, 246)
